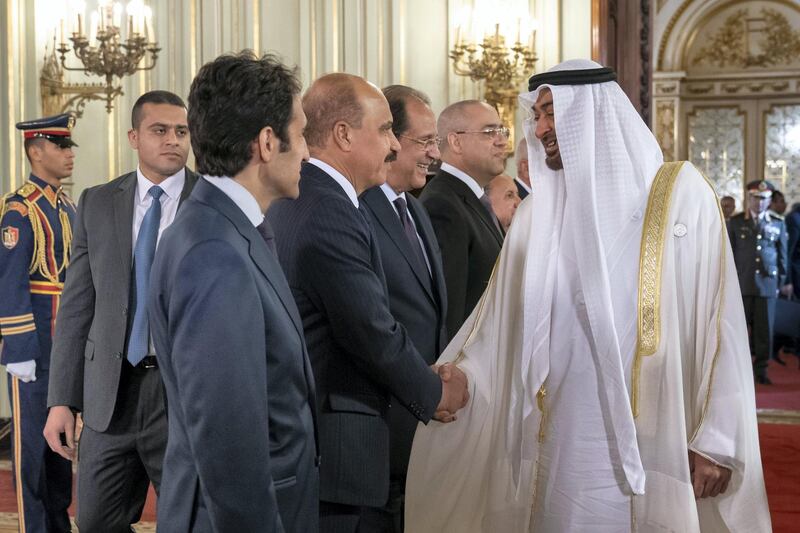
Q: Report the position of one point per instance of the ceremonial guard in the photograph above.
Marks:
(758, 239)
(36, 222)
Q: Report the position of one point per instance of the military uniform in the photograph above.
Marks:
(36, 224)
(760, 254)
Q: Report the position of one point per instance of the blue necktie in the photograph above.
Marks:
(139, 341)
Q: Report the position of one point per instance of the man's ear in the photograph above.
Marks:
(34, 152)
(343, 136)
(454, 142)
(268, 144)
(133, 138)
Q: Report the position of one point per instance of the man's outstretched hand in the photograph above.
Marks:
(708, 478)
(455, 393)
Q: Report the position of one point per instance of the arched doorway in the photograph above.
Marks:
(726, 90)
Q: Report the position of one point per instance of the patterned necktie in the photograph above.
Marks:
(142, 261)
(265, 229)
(408, 229)
(488, 205)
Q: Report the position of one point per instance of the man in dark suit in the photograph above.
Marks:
(360, 354)
(523, 179)
(227, 332)
(469, 235)
(758, 241)
(102, 363)
(412, 264)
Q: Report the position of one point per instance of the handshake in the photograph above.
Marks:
(455, 393)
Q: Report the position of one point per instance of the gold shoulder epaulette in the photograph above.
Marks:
(775, 215)
(26, 190)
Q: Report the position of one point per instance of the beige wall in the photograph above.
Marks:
(387, 41)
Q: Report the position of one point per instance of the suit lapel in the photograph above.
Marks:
(480, 211)
(388, 219)
(268, 264)
(473, 204)
(123, 220)
(264, 260)
(429, 238)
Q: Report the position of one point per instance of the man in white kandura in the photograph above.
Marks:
(611, 381)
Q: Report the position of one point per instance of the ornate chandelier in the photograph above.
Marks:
(485, 56)
(104, 52)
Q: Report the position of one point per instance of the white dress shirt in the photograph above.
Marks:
(391, 195)
(466, 178)
(338, 177)
(243, 198)
(172, 187)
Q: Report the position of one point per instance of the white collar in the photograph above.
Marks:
(338, 177)
(391, 195)
(522, 184)
(243, 198)
(466, 178)
(172, 186)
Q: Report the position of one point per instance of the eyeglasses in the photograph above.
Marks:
(492, 133)
(426, 144)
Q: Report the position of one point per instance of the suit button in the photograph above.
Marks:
(124, 311)
(758, 271)
(758, 247)
(118, 355)
(758, 259)
(774, 272)
(758, 236)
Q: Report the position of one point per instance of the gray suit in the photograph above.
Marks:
(88, 371)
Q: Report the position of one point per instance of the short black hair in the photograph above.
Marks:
(153, 97)
(398, 96)
(231, 100)
(778, 193)
(32, 141)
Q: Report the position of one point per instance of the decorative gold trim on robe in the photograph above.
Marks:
(721, 291)
(650, 263)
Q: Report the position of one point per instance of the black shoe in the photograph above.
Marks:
(763, 380)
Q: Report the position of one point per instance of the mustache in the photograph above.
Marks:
(391, 157)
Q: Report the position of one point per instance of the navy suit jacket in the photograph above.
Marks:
(417, 299)
(241, 453)
(469, 240)
(360, 353)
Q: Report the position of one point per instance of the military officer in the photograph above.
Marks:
(36, 222)
(758, 239)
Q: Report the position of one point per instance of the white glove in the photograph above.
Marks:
(26, 370)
